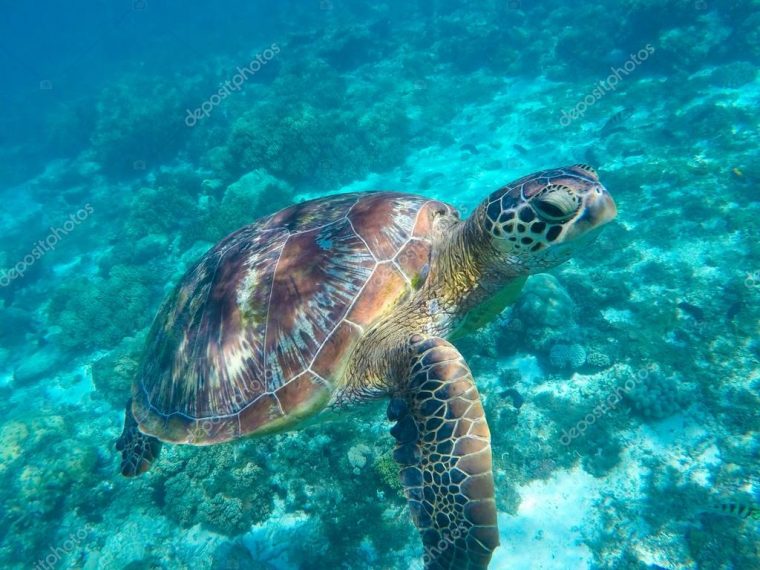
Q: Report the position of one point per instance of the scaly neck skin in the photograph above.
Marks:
(466, 272)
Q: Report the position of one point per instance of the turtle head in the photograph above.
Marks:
(542, 219)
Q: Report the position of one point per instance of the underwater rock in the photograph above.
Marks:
(152, 211)
(655, 395)
(543, 310)
(271, 544)
(35, 367)
(43, 484)
(598, 359)
(255, 194)
(544, 303)
(509, 377)
(304, 144)
(18, 324)
(97, 313)
(571, 51)
(232, 555)
(150, 247)
(570, 356)
(676, 44)
(515, 396)
(13, 435)
(350, 50)
(605, 456)
(733, 75)
(113, 374)
(357, 456)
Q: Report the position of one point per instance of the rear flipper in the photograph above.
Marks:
(444, 448)
(138, 451)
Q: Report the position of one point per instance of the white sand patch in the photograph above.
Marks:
(617, 316)
(546, 532)
(678, 441)
(527, 365)
(267, 542)
(72, 388)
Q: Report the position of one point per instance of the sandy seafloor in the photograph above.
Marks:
(446, 99)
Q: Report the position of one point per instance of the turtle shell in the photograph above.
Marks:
(256, 334)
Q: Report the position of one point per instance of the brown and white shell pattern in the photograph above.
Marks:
(256, 334)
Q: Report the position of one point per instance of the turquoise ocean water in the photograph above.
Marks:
(622, 389)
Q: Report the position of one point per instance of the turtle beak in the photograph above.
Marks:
(599, 209)
(602, 208)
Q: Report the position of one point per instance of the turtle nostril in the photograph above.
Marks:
(602, 208)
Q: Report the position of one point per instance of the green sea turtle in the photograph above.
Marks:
(349, 298)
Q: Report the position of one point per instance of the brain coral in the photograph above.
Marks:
(567, 356)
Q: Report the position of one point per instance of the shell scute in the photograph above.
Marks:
(384, 225)
(380, 293)
(302, 394)
(414, 255)
(318, 277)
(261, 413)
(335, 349)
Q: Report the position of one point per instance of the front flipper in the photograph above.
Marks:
(444, 448)
(138, 451)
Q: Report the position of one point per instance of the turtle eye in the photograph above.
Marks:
(556, 203)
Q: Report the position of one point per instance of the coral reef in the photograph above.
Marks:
(255, 194)
(215, 490)
(656, 395)
(313, 145)
(127, 138)
(114, 373)
(388, 472)
(598, 359)
(42, 489)
(621, 389)
(357, 456)
(567, 355)
(97, 313)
